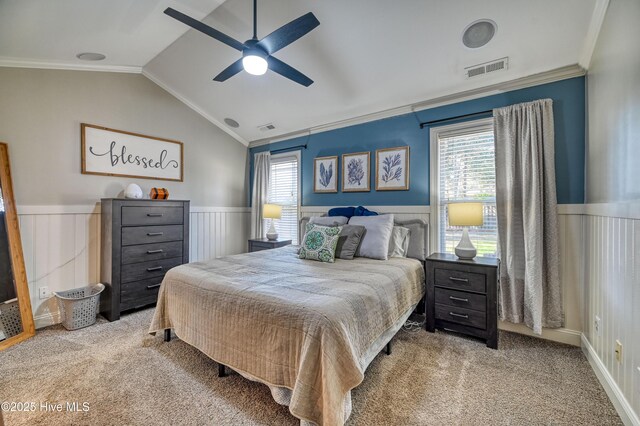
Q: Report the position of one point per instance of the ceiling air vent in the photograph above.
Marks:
(487, 67)
(266, 127)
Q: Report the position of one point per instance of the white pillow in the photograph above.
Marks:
(399, 242)
(375, 243)
(329, 220)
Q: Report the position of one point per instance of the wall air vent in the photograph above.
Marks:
(266, 127)
(487, 67)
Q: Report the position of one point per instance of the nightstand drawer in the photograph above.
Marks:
(262, 246)
(461, 316)
(477, 302)
(467, 281)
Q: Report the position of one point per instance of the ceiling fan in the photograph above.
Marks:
(257, 54)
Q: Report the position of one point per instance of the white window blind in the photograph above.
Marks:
(466, 170)
(284, 190)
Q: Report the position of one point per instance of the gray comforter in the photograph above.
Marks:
(287, 322)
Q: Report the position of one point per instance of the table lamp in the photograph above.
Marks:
(272, 211)
(465, 215)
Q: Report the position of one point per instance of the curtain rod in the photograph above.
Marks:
(442, 120)
(291, 148)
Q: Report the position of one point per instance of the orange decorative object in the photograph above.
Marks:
(159, 193)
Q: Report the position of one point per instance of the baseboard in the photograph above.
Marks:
(45, 320)
(622, 406)
(560, 335)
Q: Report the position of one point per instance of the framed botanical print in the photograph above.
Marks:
(392, 169)
(356, 176)
(325, 174)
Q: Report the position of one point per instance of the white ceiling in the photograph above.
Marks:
(366, 56)
(129, 32)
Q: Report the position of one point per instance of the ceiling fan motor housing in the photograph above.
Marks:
(253, 49)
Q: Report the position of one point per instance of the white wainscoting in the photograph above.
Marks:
(612, 293)
(61, 246)
(571, 251)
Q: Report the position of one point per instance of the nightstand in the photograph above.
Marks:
(462, 296)
(264, 244)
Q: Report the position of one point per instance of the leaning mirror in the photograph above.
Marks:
(16, 318)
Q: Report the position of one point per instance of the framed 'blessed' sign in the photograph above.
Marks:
(110, 152)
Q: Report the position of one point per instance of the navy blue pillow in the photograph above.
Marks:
(342, 211)
(361, 211)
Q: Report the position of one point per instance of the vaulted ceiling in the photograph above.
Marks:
(366, 56)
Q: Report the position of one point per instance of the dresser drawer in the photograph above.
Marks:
(461, 316)
(477, 302)
(460, 280)
(152, 215)
(139, 293)
(144, 270)
(147, 252)
(151, 234)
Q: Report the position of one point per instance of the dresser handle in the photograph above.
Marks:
(154, 214)
(150, 287)
(154, 251)
(458, 299)
(462, 280)
(453, 314)
(154, 234)
(155, 268)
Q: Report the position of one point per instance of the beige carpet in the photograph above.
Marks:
(129, 377)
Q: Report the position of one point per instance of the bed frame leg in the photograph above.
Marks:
(167, 335)
(221, 372)
(388, 348)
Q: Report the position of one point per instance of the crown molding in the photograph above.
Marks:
(595, 25)
(194, 107)
(550, 76)
(49, 65)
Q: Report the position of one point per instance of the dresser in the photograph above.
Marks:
(141, 241)
(258, 244)
(462, 296)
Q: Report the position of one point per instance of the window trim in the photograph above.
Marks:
(435, 133)
(298, 155)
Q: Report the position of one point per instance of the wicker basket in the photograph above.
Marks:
(10, 321)
(79, 306)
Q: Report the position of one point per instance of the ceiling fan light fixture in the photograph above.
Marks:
(254, 64)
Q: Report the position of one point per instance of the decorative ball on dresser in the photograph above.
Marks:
(133, 191)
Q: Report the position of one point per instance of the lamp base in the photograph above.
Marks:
(465, 250)
(272, 234)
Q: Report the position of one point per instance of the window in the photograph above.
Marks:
(284, 189)
(463, 169)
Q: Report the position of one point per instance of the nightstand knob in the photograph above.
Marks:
(462, 280)
(458, 299)
(453, 314)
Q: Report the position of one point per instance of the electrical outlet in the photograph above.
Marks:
(598, 325)
(618, 351)
(44, 292)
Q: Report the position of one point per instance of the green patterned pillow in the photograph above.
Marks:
(320, 242)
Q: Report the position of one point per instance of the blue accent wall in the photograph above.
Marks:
(569, 118)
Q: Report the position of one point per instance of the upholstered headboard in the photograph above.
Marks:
(418, 236)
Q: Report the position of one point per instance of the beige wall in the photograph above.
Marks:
(613, 92)
(40, 116)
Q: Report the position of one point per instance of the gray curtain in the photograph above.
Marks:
(530, 289)
(260, 193)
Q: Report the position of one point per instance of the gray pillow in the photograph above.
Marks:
(349, 241)
(399, 242)
(329, 220)
(375, 243)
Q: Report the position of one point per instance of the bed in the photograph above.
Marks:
(306, 329)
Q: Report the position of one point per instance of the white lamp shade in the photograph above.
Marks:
(465, 214)
(271, 211)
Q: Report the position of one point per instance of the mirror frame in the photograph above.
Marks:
(15, 248)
